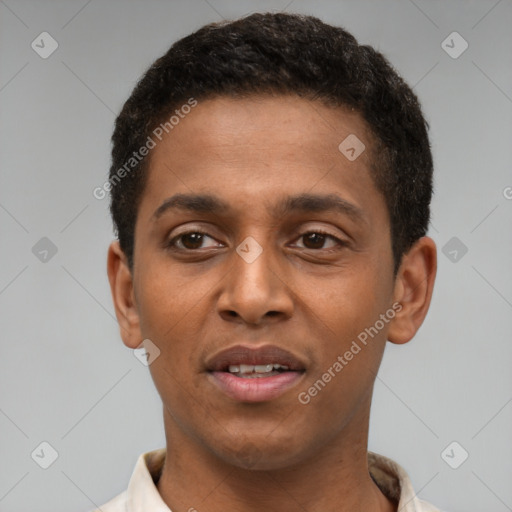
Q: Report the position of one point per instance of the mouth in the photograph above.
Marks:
(257, 371)
(254, 374)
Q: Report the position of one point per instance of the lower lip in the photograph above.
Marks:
(259, 389)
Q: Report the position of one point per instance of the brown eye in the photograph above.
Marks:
(314, 240)
(317, 240)
(190, 241)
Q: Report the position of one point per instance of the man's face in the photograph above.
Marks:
(322, 277)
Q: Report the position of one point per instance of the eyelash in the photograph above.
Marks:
(340, 243)
(171, 244)
(172, 241)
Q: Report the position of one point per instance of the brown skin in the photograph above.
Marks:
(311, 298)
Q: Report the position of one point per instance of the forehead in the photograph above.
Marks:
(261, 147)
(284, 125)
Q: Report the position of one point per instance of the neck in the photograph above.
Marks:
(335, 478)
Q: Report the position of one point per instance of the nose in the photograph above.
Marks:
(255, 292)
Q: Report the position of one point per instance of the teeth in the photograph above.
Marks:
(246, 368)
(258, 368)
(263, 368)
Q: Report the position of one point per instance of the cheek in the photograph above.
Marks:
(348, 303)
(351, 337)
(164, 301)
(168, 313)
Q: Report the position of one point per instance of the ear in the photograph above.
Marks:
(414, 284)
(121, 286)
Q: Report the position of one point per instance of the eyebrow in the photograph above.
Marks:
(302, 203)
(199, 203)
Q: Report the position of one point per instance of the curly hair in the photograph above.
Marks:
(282, 54)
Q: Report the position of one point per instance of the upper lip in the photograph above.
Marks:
(242, 354)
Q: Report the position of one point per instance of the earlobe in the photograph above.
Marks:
(121, 287)
(414, 284)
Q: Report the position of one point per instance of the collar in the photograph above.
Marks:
(142, 493)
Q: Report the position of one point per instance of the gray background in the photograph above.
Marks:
(65, 376)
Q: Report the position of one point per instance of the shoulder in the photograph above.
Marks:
(117, 504)
(394, 482)
(141, 493)
(425, 506)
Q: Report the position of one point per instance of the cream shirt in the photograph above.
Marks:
(142, 494)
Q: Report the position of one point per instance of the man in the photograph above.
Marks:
(270, 184)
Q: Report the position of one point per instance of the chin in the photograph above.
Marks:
(260, 454)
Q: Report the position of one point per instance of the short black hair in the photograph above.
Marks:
(281, 54)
